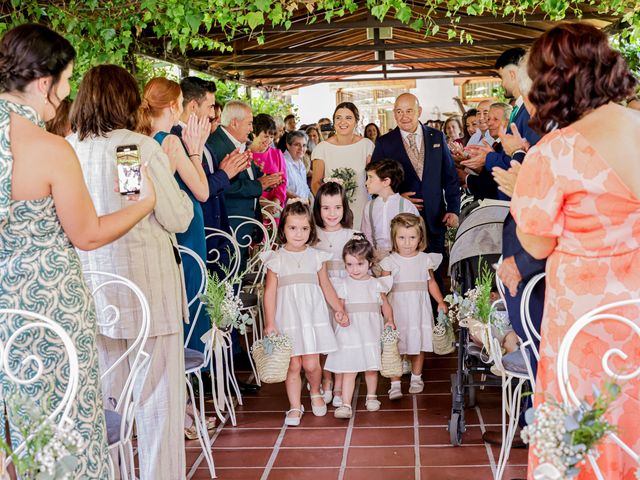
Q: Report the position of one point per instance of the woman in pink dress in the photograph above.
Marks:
(268, 158)
(577, 202)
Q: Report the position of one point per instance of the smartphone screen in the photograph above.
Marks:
(128, 161)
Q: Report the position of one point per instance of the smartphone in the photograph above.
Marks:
(128, 162)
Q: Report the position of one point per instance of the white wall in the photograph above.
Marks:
(314, 102)
(317, 101)
(436, 93)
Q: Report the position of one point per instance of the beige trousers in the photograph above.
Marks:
(160, 413)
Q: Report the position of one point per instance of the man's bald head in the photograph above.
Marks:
(407, 111)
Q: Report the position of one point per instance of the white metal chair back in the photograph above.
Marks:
(30, 369)
(530, 330)
(112, 294)
(228, 252)
(244, 240)
(568, 393)
(270, 210)
(202, 288)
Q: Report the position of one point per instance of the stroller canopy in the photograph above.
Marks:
(480, 233)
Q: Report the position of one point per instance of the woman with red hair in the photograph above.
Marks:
(162, 105)
(577, 202)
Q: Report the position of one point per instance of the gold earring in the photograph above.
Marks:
(46, 101)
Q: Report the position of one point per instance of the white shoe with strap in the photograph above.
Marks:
(294, 421)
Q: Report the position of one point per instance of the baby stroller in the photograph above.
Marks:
(478, 241)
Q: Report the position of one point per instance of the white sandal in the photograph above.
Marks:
(344, 411)
(327, 395)
(294, 421)
(372, 403)
(318, 411)
(337, 399)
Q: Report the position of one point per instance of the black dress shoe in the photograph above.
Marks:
(494, 437)
(248, 387)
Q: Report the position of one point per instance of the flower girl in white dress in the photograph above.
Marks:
(294, 304)
(413, 282)
(333, 219)
(359, 342)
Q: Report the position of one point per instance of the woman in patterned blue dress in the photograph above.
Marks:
(46, 210)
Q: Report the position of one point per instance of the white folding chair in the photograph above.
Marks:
(23, 365)
(568, 393)
(112, 294)
(253, 277)
(513, 372)
(228, 253)
(195, 361)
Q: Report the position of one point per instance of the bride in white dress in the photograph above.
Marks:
(344, 149)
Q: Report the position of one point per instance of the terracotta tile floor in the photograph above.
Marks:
(406, 439)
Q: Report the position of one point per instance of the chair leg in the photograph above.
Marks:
(510, 403)
(253, 367)
(199, 418)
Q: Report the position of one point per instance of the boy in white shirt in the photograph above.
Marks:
(383, 179)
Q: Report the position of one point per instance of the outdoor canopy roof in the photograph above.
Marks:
(352, 47)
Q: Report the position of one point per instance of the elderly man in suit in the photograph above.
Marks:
(430, 179)
(480, 182)
(243, 195)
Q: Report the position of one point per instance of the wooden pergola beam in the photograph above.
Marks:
(362, 48)
(239, 66)
(345, 80)
(356, 73)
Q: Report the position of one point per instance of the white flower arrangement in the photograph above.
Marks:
(339, 181)
(224, 306)
(562, 437)
(50, 449)
(348, 177)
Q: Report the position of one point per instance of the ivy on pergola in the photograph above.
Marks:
(113, 30)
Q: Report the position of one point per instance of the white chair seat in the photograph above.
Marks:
(193, 359)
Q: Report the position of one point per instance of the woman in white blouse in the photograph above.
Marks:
(103, 117)
(345, 149)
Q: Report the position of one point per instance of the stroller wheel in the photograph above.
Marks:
(456, 428)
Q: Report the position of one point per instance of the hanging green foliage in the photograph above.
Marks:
(114, 30)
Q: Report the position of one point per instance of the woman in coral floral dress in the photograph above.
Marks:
(577, 201)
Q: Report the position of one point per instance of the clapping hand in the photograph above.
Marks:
(271, 180)
(478, 156)
(235, 162)
(513, 141)
(506, 179)
(194, 135)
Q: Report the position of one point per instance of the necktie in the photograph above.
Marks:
(414, 155)
(514, 112)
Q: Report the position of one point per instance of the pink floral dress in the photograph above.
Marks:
(566, 190)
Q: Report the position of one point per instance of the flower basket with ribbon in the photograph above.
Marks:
(443, 336)
(272, 355)
(391, 362)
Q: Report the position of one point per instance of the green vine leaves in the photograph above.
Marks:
(114, 30)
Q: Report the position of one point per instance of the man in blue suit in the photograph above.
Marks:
(517, 267)
(430, 178)
(199, 100)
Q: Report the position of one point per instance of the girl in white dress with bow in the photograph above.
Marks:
(359, 342)
(413, 282)
(334, 220)
(296, 286)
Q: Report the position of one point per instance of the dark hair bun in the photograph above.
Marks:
(29, 52)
